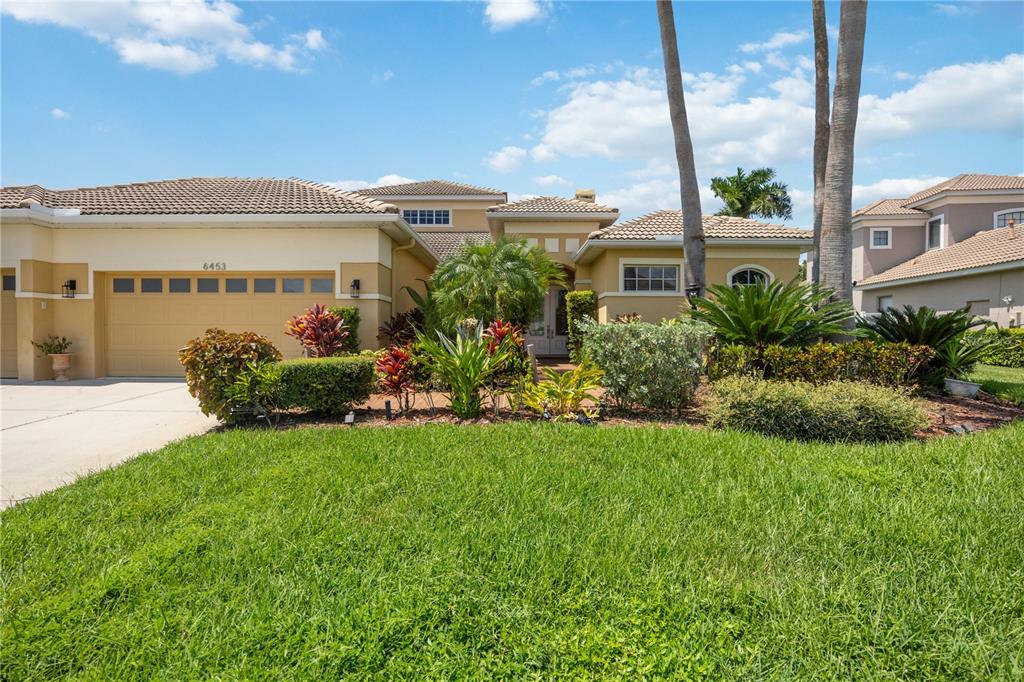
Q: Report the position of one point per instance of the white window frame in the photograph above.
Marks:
(878, 302)
(657, 262)
(888, 239)
(434, 224)
(996, 214)
(942, 232)
(749, 266)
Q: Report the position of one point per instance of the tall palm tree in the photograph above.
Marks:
(754, 193)
(836, 260)
(821, 126)
(689, 191)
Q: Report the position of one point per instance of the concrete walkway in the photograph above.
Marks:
(50, 433)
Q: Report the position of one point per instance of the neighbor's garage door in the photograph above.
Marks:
(8, 328)
(151, 316)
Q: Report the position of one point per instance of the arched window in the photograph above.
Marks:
(748, 274)
(1002, 218)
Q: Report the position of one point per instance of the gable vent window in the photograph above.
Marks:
(428, 216)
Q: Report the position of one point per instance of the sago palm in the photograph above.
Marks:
(753, 194)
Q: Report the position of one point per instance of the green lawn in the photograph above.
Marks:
(1006, 382)
(524, 551)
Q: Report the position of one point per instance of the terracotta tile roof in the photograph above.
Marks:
(669, 222)
(430, 188)
(965, 182)
(988, 247)
(198, 196)
(551, 205)
(447, 244)
(888, 207)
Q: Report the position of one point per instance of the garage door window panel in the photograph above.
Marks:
(179, 285)
(208, 285)
(124, 285)
(9, 282)
(264, 285)
(321, 285)
(236, 285)
(293, 285)
(152, 285)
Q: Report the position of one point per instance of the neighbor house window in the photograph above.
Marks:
(427, 216)
(1016, 215)
(293, 285)
(572, 245)
(881, 238)
(264, 285)
(322, 285)
(208, 285)
(8, 282)
(746, 277)
(236, 285)
(884, 303)
(650, 278)
(152, 285)
(551, 244)
(179, 285)
(124, 285)
(935, 233)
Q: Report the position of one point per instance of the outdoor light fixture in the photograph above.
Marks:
(67, 290)
(355, 288)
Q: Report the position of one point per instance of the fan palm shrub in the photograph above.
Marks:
(506, 279)
(765, 314)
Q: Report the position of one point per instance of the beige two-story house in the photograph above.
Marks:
(951, 245)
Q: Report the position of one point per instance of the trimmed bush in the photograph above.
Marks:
(214, 361)
(579, 307)
(657, 366)
(351, 316)
(326, 385)
(841, 411)
(887, 364)
(1006, 348)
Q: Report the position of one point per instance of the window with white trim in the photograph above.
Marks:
(427, 216)
(884, 303)
(934, 233)
(650, 278)
(746, 277)
(881, 238)
(1003, 218)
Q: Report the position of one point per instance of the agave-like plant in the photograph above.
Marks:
(958, 356)
(922, 326)
(465, 364)
(761, 314)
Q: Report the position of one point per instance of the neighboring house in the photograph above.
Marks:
(131, 272)
(946, 247)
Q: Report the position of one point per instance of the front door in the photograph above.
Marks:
(549, 332)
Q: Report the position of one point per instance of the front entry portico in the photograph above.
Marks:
(549, 332)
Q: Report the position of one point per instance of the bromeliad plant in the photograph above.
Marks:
(395, 372)
(561, 394)
(320, 332)
(465, 365)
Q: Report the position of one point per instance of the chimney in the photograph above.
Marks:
(587, 195)
(1012, 224)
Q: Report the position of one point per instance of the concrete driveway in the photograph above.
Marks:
(50, 433)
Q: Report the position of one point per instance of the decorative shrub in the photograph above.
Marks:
(401, 328)
(1006, 348)
(649, 365)
(350, 316)
(580, 306)
(561, 394)
(837, 411)
(319, 331)
(395, 374)
(53, 345)
(256, 390)
(326, 385)
(215, 360)
(888, 364)
(465, 365)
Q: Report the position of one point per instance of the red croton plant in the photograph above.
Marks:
(498, 331)
(321, 332)
(394, 367)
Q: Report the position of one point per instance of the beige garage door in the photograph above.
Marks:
(8, 328)
(151, 316)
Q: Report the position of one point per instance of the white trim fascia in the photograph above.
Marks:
(887, 221)
(941, 217)
(190, 219)
(583, 281)
(965, 194)
(805, 244)
(554, 215)
(750, 266)
(769, 241)
(367, 297)
(952, 274)
(871, 238)
(433, 197)
(641, 294)
(52, 297)
(625, 261)
(996, 214)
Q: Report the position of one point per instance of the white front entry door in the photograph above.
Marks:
(549, 333)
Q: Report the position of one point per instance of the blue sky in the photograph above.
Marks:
(530, 97)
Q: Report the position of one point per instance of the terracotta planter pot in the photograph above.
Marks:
(61, 364)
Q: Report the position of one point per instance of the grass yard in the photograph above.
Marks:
(1005, 382)
(525, 550)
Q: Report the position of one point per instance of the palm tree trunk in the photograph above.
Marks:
(821, 127)
(689, 191)
(836, 237)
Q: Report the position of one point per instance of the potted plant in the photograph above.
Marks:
(958, 357)
(57, 348)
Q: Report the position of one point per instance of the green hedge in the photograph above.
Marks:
(326, 385)
(351, 316)
(842, 411)
(887, 364)
(579, 306)
(1007, 349)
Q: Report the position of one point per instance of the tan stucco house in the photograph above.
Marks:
(131, 272)
(958, 243)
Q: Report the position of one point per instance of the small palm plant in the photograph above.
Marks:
(922, 326)
(561, 394)
(465, 364)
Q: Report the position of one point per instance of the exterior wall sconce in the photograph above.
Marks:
(67, 290)
(355, 288)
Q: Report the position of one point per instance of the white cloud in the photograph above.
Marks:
(503, 14)
(891, 188)
(506, 159)
(778, 41)
(59, 113)
(550, 180)
(515, 196)
(955, 10)
(549, 75)
(315, 39)
(382, 181)
(656, 194)
(542, 152)
(181, 37)
(777, 60)
(382, 77)
(903, 75)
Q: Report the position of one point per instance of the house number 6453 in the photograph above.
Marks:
(215, 266)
